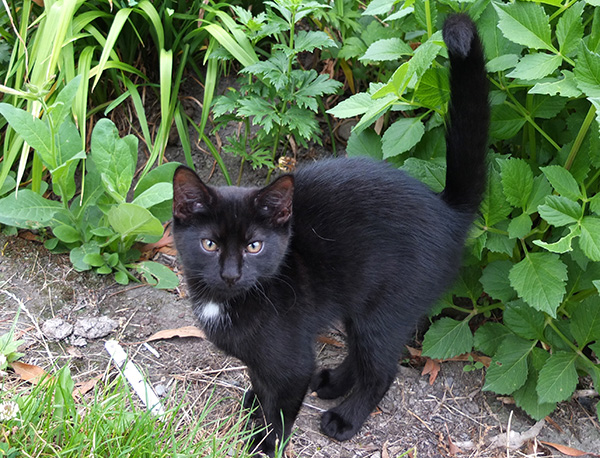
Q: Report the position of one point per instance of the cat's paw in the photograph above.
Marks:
(335, 425)
(261, 444)
(329, 385)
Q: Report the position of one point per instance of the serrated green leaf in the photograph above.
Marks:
(540, 280)
(565, 86)
(402, 136)
(589, 240)
(509, 367)
(353, 106)
(524, 321)
(536, 66)
(526, 24)
(502, 63)
(585, 322)
(587, 71)
(517, 181)
(519, 226)
(562, 181)
(353, 47)
(527, 399)
(386, 49)
(376, 7)
(569, 29)
(308, 41)
(434, 87)
(447, 338)
(425, 54)
(494, 206)
(489, 337)
(300, 121)
(563, 244)
(547, 107)
(560, 211)
(540, 190)
(506, 122)
(366, 143)
(431, 172)
(558, 378)
(495, 280)
(262, 112)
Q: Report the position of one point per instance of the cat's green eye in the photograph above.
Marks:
(209, 245)
(254, 247)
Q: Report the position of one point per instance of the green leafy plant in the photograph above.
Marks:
(530, 287)
(99, 227)
(276, 96)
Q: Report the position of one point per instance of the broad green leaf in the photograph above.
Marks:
(563, 244)
(425, 54)
(447, 338)
(376, 7)
(540, 190)
(527, 399)
(589, 240)
(585, 322)
(562, 181)
(467, 284)
(434, 87)
(27, 209)
(587, 71)
(519, 226)
(489, 337)
(377, 108)
(517, 181)
(402, 136)
(261, 111)
(397, 83)
(121, 278)
(33, 130)
(366, 143)
(387, 49)
(405, 11)
(506, 122)
(67, 234)
(524, 321)
(79, 253)
(64, 101)
(161, 174)
(500, 243)
(569, 29)
(158, 275)
(502, 63)
(242, 50)
(114, 157)
(540, 280)
(558, 378)
(560, 211)
(353, 47)
(132, 220)
(494, 206)
(353, 106)
(154, 195)
(536, 66)
(547, 107)
(509, 367)
(495, 280)
(565, 86)
(526, 24)
(431, 172)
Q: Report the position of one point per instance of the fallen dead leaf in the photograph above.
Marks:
(164, 245)
(432, 367)
(28, 372)
(83, 387)
(186, 331)
(569, 451)
(330, 341)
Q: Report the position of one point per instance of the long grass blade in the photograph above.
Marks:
(230, 44)
(152, 14)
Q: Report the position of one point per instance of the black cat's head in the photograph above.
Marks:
(230, 238)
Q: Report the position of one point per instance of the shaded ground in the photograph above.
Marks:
(432, 419)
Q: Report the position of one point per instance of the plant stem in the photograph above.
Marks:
(580, 136)
(428, 18)
(571, 345)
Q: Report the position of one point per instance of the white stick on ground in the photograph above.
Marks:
(134, 377)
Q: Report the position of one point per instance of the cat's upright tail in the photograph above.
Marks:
(469, 115)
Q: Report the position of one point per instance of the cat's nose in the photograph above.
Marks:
(231, 278)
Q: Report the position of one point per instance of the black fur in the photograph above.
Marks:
(343, 239)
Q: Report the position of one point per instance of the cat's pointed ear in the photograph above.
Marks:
(190, 195)
(275, 200)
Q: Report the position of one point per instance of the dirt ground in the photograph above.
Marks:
(452, 417)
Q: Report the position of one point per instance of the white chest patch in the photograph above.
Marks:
(211, 311)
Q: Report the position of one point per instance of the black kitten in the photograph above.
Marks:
(344, 239)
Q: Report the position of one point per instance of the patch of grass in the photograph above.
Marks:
(51, 421)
